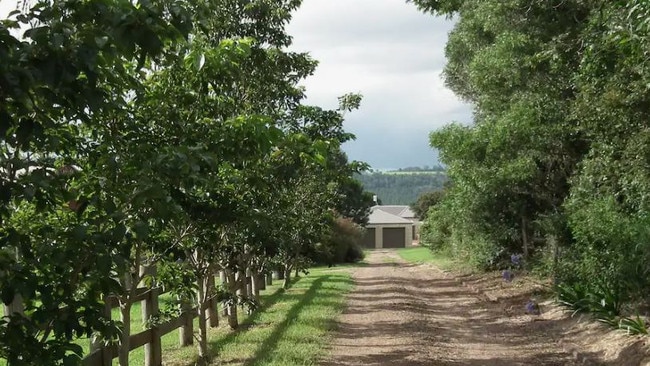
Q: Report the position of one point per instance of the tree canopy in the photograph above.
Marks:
(140, 133)
(555, 164)
(402, 187)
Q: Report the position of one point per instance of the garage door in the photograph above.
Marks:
(394, 237)
(369, 239)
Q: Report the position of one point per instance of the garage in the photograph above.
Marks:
(386, 230)
(394, 237)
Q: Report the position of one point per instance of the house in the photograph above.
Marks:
(390, 227)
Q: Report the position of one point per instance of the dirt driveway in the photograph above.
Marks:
(404, 314)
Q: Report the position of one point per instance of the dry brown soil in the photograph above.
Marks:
(405, 314)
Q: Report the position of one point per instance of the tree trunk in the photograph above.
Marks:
(203, 328)
(287, 277)
(553, 242)
(125, 339)
(524, 236)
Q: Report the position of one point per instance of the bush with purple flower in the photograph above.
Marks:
(516, 260)
(532, 307)
(508, 276)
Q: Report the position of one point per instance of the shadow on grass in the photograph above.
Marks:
(362, 263)
(272, 340)
(316, 292)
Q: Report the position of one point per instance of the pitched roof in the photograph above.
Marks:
(378, 216)
(401, 211)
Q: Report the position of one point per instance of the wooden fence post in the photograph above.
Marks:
(279, 273)
(232, 307)
(249, 283)
(186, 332)
(16, 306)
(224, 283)
(151, 309)
(256, 284)
(211, 312)
(95, 343)
(241, 282)
(261, 281)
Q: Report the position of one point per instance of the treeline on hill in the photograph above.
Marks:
(167, 133)
(557, 164)
(402, 187)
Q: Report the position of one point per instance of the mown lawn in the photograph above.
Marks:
(290, 327)
(424, 255)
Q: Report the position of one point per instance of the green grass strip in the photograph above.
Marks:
(290, 328)
(424, 255)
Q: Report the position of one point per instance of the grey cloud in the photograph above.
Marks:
(394, 141)
(380, 150)
(393, 55)
(363, 21)
(401, 58)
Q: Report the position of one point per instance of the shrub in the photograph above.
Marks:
(343, 245)
(611, 246)
(435, 232)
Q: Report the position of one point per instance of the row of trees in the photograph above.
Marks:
(155, 132)
(556, 165)
(401, 188)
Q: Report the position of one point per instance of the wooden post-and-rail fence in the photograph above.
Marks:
(150, 339)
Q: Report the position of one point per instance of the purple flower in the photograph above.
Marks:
(532, 307)
(508, 276)
(516, 259)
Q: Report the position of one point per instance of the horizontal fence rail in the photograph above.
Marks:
(149, 298)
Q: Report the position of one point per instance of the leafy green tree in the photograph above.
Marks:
(130, 138)
(77, 64)
(425, 202)
(511, 169)
(608, 206)
(553, 166)
(401, 188)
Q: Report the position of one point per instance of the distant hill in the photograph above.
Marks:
(403, 187)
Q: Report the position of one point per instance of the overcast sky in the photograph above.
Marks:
(392, 54)
(389, 52)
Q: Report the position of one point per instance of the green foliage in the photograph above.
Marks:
(165, 133)
(291, 330)
(576, 297)
(604, 302)
(401, 189)
(556, 163)
(343, 245)
(425, 202)
(435, 232)
(633, 326)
